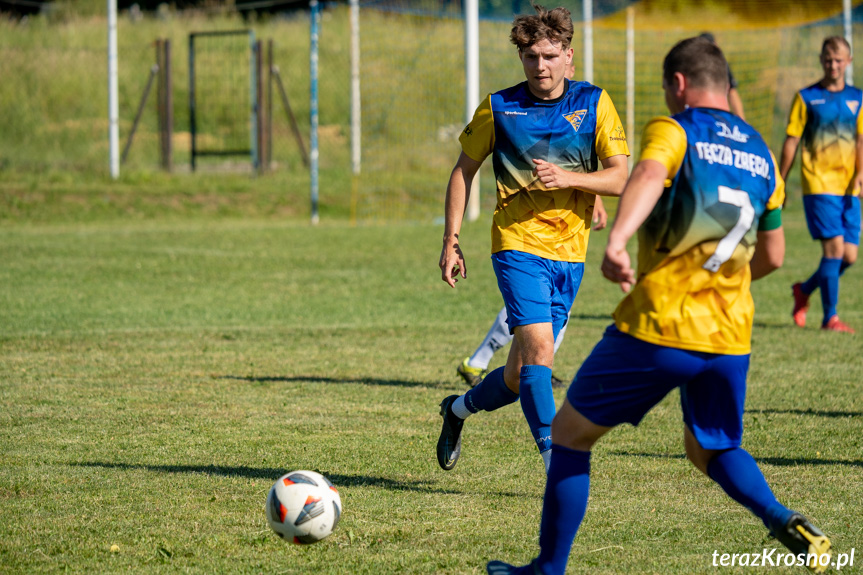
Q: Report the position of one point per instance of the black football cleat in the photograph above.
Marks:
(449, 442)
(501, 568)
(803, 538)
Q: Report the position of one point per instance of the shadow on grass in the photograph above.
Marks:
(319, 379)
(783, 461)
(272, 474)
(809, 411)
(783, 325)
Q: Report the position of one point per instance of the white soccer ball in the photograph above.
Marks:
(303, 507)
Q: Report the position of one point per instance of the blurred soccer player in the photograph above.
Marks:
(826, 116)
(687, 319)
(474, 367)
(547, 137)
(735, 103)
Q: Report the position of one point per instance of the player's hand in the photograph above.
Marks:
(551, 175)
(600, 216)
(452, 261)
(616, 266)
(858, 183)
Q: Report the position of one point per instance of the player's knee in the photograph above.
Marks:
(699, 460)
(833, 248)
(697, 455)
(538, 356)
(571, 429)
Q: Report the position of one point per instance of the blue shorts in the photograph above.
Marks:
(829, 216)
(624, 377)
(535, 289)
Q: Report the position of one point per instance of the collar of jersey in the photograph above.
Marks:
(536, 100)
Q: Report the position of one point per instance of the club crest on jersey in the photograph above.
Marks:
(576, 118)
(853, 105)
(735, 134)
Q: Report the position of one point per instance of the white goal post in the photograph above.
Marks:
(113, 105)
(471, 96)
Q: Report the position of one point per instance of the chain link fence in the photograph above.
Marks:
(54, 88)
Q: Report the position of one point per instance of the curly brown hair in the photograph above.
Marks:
(552, 25)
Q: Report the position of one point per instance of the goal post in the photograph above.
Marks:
(224, 95)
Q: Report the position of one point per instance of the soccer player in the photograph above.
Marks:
(735, 104)
(547, 137)
(474, 367)
(705, 199)
(826, 116)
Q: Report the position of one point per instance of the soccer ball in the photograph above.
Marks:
(303, 507)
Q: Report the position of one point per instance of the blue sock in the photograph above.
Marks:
(563, 507)
(737, 473)
(810, 285)
(828, 281)
(491, 393)
(777, 516)
(537, 402)
(845, 265)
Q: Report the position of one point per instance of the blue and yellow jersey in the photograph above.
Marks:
(575, 132)
(692, 288)
(828, 124)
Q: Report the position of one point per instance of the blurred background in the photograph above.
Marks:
(53, 93)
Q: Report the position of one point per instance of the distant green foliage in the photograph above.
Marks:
(54, 91)
(56, 112)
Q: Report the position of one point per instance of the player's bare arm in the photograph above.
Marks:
(769, 253)
(858, 176)
(600, 215)
(786, 160)
(643, 190)
(452, 262)
(607, 182)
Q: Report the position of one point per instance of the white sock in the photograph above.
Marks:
(497, 337)
(459, 409)
(481, 357)
(546, 458)
(560, 334)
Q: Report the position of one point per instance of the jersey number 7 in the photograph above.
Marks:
(725, 247)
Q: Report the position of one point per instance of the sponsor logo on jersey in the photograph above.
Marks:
(723, 155)
(468, 131)
(511, 113)
(618, 136)
(576, 118)
(735, 134)
(818, 101)
(853, 105)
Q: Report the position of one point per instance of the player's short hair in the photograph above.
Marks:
(833, 43)
(708, 36)
(700, 61)
(552, 25)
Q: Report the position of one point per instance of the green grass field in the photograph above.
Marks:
(163, 361)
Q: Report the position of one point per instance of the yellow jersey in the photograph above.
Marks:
(693, 277)
(575, 132)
